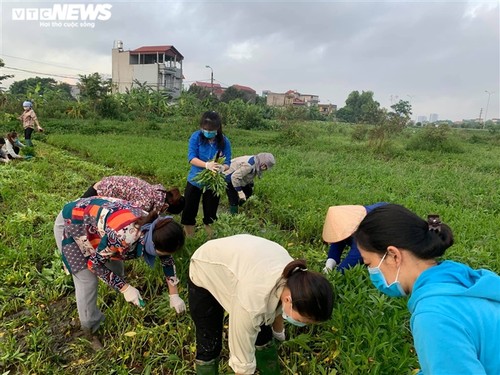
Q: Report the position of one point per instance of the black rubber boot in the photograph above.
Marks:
(233, 210)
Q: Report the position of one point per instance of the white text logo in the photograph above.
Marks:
(64, 12)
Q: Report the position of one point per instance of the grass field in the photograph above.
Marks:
(318, 165)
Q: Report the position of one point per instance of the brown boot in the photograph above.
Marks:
(189, 230)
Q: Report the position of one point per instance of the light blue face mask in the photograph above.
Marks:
(379, 281)
(291, 320)
(209, 134)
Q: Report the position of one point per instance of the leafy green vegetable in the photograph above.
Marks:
(211, 180)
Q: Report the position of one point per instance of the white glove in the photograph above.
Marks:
(242, 195)
(329, 265)
(132, 295)
(177, 303)
(280, 336)
(213, 166)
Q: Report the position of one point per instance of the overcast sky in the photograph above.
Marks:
(442, 56)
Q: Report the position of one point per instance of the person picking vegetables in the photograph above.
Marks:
(206, 146)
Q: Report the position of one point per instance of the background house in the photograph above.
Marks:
(291, 97)
(160, 67)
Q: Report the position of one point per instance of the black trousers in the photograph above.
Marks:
(232, 194)
(28, 132)
(208, 317)
(210, 203)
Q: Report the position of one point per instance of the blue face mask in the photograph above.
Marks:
(209, 134)
(291, 320)
(379, 281)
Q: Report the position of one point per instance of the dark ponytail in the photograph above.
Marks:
(311, 292)
(395, 225)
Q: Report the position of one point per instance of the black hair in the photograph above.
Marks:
(395, 225)
(311, 292)
(212, 121)
(175, 201)
(168, 235)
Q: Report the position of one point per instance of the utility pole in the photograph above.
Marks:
(487, 105)
(211, 79)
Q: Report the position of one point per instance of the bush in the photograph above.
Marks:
(433, 138)
(359, 133)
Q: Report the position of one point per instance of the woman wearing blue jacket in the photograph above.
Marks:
(455, 310)
(205, 145)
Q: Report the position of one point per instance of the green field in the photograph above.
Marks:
(455, 175)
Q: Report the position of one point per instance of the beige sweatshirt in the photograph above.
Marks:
(242, 273)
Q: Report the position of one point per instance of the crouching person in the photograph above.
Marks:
(241, 174)
(259, 284)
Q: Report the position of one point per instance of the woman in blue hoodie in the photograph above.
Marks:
(455, 310)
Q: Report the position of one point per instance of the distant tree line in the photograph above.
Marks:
(96, 100)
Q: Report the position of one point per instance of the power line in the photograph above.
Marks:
(45, 74)
(45, 63)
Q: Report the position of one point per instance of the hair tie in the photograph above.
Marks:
(434, 223)
(298, 269)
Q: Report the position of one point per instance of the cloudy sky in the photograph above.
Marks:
(442, 56)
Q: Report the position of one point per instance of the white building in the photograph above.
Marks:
(159, 67)
(433, 117)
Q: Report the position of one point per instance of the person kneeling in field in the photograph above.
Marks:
(241, 174)
(259, 284)
(99, 234)
(340, 224)
(455, 310)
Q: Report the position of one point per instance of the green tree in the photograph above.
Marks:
(199, 92)
(360, 108)
(402, 109)
(4, 77)
(40, 85)
(95, 89)
(232, 93)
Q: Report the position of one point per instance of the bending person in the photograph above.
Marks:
(99, 234)
(455, 310)
(259, 284)
(140, 193)
(340, 224)
(241, 174)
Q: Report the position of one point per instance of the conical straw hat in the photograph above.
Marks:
(342, 221)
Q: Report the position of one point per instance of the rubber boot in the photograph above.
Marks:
(233, 210)
(267, 359)
(189, 230)
(28, 142)
(207, 368)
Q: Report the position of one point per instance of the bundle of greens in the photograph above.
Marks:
(211, 180)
